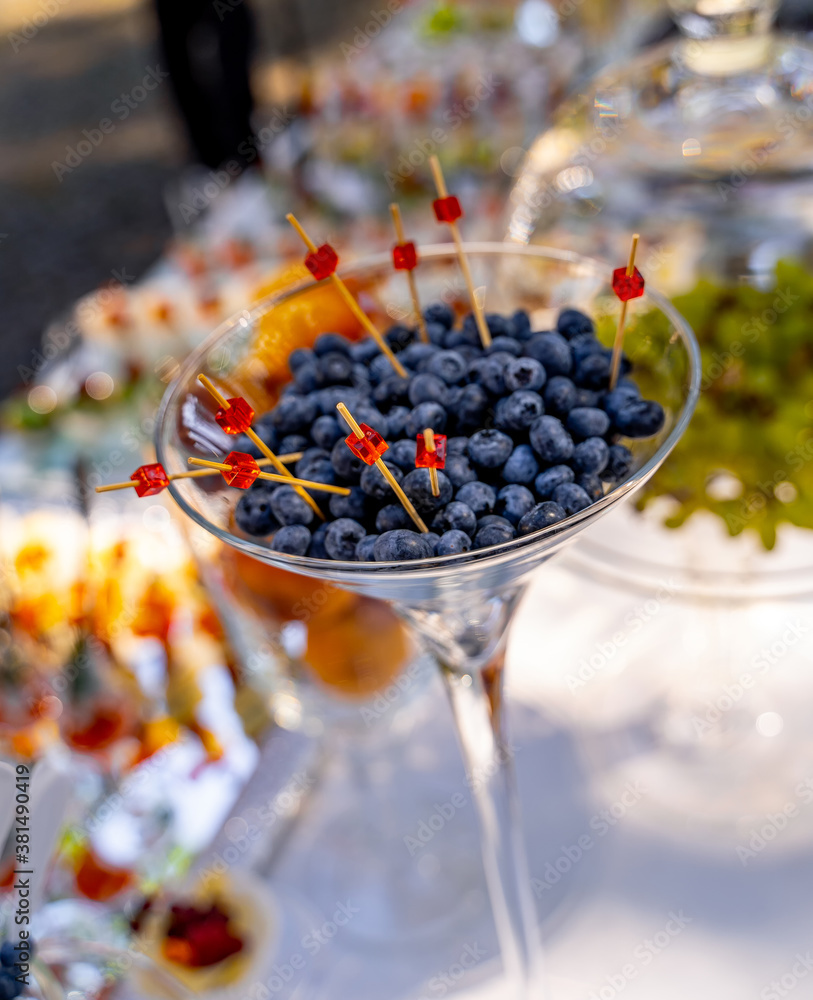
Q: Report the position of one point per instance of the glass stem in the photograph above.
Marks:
(477, 703)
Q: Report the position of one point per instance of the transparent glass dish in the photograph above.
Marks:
(460, 606)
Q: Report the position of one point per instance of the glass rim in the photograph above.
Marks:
(314, 567)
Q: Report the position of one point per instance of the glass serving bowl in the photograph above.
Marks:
(459, 606)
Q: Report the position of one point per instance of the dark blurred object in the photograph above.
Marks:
(208, 47)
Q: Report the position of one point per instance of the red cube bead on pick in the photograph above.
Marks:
(447, 209)
(244, 470)
(369, 448)
(236, 417)
(628, 286)
(426, 459)
(150, 479)
(404, 257)
(322, 262)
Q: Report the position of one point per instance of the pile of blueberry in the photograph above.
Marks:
(532, 437)
(9, 986)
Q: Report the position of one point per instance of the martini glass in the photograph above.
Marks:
(460, 607)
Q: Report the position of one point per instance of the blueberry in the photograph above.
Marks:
(590, 456)
(364, 548)
(433, 538)
(392, 517)
(522, 325)
(521, 466)
(470, 408)
(541, 516)
(298, 357)
(253, 515)
(583, 345)
(315, 465)
(289, 507)
(327, 343)
(331, 395)
(490, 449)
(587, 421)
(550, 440)
(367, 414)
(342, 538)
(491, 372)
(498, 325)
(392, 391)
(640, 418)
(571, 497)
(375, 485)
(348, 467)
(326, 431)
(449, 366)
(452, 543)
(356, 505)
(294, 414)
(552, 351)
(514, 502)
(426, 415)
(457, 445)
(506, 344)
(402, 453)
(400, 545)
(336, 368)
(360, 379)
(524, 373)
(459, 470)
(479, 496)
(439, 313)
(399, 337)
(292, 539)
(593, 372)
(455, 516)
(456, 340)
(572, 322)
(265, 431)
(363, 351)
(416, 354)
(397, 418)
(615, 400)
(436, 334)
(8, 986)
(8, 954)
(381, 367)
(316, 549)
(587, 397)
(308, 377)
(547, 481)
(292, 443)
(559, 395)
(518, 411)
(591, 484)
(619, 464)
(427, 388)
(495, 532)
(418, 487)
(489, 519)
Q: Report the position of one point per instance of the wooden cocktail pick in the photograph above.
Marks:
(447, 209)
(235, 417)
(628, 283)
(431, 454)
(142, 479)
(322, 263)
(405, 258)
(369, 446)
(247, 468)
